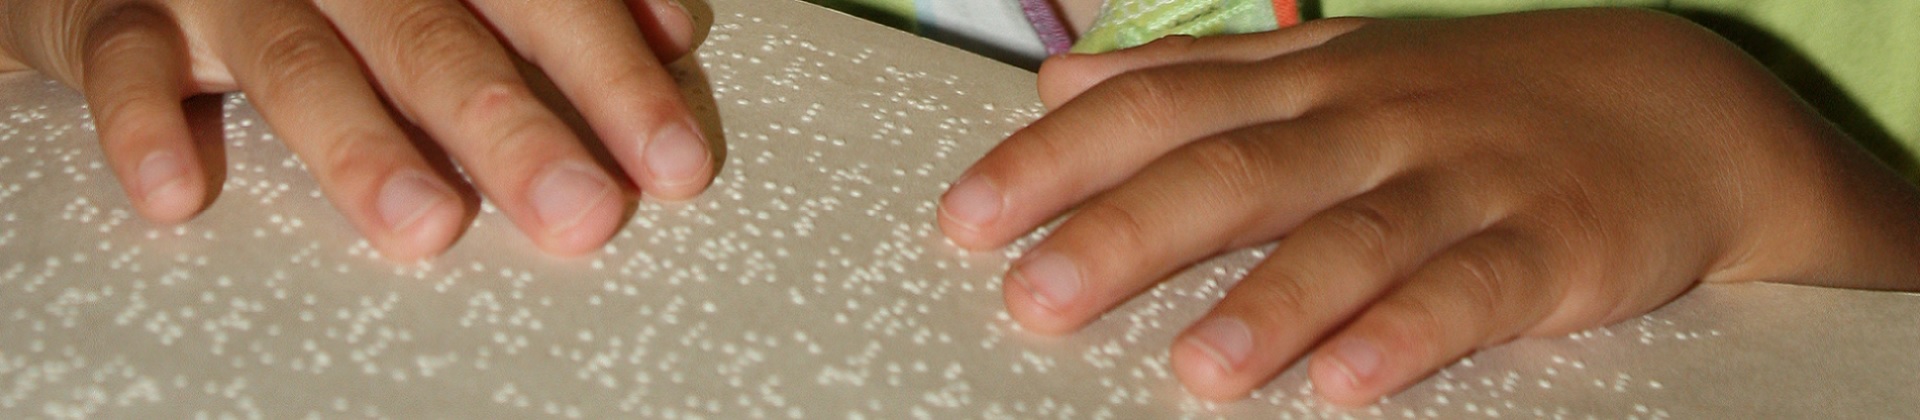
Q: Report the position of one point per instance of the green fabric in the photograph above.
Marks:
(1857, 61)
(1130, 23)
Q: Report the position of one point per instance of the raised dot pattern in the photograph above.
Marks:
(809, 282)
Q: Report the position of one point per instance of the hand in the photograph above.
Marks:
(323, 71)
(1435, 187)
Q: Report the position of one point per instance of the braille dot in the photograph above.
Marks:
(812, 267)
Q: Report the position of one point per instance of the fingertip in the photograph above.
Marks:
(968, 210)
(966, 236)
(962, 236)
(679, 163)
(594, 228)
(1029, 313)
(422, 217)
(174, 203)
(1345, 372)
(1204, 372)
(577, 207)
(669, 28)
(589, 235)
(167, 189)
(431, 235)
(1063, 77)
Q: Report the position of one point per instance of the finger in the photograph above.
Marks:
(442, 69)
(670, 29)
(1484, 291)
(308, 86)
(134, 79)
(1131, 120)
(1067, 76)
(597, 56)
(1199, 200)
(1316, 278)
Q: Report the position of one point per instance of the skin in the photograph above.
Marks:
(1434, 187)
(1078, 14)
(325, 72)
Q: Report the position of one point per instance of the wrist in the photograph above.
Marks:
(1836, 217)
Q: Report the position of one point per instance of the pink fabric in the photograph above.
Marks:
(1046, 21)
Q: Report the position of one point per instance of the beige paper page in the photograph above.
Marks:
(810, 282)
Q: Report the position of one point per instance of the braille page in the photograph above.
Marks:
(809, 282)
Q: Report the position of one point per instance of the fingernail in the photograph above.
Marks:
(1226, 340)
(972, 202)
(1053, 280)
(567, 192)
(677, 156)
(408, 197)
(1357, 358)
(161, 173)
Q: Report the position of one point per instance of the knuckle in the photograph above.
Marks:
(1407, 124)
(294, 54)
(1121, 230)
(1369, 228)
(662, 111)
(494, 102)
(524, 145)
(1578, 222)
(1309, 78)
(1414, 324)
(435, 39)
(1147, 99)
(650, 98)
(1403, 114)
(118, 114)
(1277, 298)
(1033, 158)
(355, 153)
(1480, 278)
(1586, 302)
(627, 76)
(1232, 165)
(115, 34)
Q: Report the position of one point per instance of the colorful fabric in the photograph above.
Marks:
(1048, 24)
(1130, 23)
(998, 29)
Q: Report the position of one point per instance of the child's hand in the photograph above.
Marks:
(322, 73)
(1435, 186)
